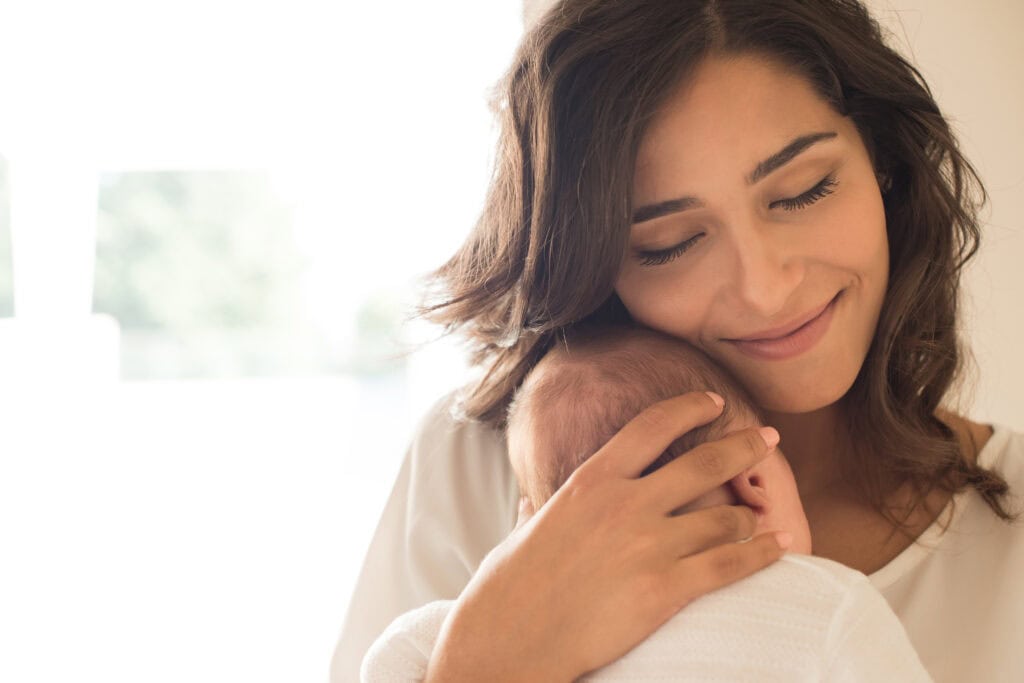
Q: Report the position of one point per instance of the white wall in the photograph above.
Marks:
(971, 55)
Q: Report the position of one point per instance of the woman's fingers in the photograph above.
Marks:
(648, 434)
(599, 567)
(708, 465)
(696, 575)
(698, 531)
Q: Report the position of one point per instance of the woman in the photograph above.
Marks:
(770, 182)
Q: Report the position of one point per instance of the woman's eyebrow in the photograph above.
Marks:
(772, 163)
(786, 154)
(652, 211)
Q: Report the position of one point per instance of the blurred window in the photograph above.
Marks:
(207, 279)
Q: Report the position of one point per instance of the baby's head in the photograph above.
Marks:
(583, 392)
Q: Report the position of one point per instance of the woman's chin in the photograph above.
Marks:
(797, 400)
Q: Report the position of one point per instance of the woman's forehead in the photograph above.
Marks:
(742, 106)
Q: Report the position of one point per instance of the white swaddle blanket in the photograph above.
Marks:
(801, 619)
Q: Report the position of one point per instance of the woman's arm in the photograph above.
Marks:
(604, 563)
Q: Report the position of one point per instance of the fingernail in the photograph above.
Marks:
(784, 539)
(770, 436)
(719, 401)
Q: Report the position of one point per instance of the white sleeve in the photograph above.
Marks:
(867, 643)
(402, 652)
(454, 500)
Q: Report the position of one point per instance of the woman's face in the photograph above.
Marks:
(756, 209)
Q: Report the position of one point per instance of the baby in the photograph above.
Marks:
(801, 619)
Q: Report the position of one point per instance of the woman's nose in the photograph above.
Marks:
(767, 269)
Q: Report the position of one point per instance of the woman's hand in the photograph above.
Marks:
(604, 563)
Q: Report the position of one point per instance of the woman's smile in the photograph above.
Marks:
(791, 341)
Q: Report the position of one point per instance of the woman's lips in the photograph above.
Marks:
(792, 344)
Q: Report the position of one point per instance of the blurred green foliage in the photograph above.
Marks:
(202, 271)
(377, 348)
(186, 251)
(6, 266)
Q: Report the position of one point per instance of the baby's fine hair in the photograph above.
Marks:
(599, 378)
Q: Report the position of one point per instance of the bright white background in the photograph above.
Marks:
(211, 530)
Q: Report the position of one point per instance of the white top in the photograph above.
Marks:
(801, 619)
(960, 595)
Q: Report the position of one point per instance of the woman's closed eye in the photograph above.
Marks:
(660, 256)
(821, 189)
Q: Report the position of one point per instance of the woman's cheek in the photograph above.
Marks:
(663, 301)
(855, 234)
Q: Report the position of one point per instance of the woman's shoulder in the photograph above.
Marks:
(988, 445)
(445, 432)
(452, 455)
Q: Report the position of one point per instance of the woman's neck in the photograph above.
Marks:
(844, 527)
(813, 443)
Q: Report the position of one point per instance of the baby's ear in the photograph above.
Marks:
(749, 488)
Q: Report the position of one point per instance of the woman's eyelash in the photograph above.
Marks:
(825, 187)
(657, 258)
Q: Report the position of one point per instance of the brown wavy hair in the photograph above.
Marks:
(573, 108)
